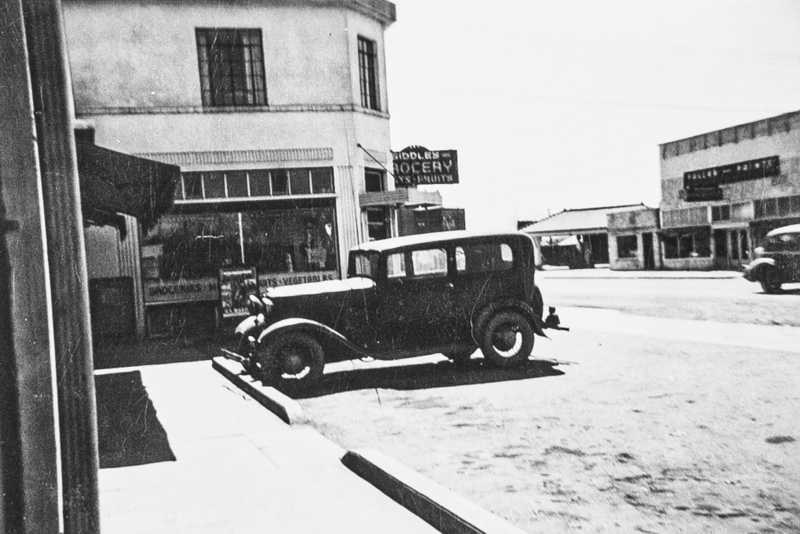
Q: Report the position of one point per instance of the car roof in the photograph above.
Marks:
(434, 237)
(791, 229)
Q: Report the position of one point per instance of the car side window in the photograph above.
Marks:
(429, 262)
(484, 258)
(396, 265)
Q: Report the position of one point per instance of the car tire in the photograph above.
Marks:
(507, 339)
(293, 362)
(770, 282)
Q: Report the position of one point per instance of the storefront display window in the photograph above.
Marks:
(687, 244)
(196, 246)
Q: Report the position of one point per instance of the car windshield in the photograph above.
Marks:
(363, 264)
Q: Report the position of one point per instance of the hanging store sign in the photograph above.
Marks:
(416, 165)
(289, 279)
(176, 291)
(702, 193)
(235, 286)
(734, 172)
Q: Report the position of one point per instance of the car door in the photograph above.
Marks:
(417, 299)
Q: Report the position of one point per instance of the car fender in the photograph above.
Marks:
(754, 270)
(329, 338)
(527, 311)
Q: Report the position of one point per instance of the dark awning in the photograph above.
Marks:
(114, 183)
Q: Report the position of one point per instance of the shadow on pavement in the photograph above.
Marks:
(429, 375)
(129, 432)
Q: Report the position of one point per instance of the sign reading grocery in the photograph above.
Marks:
(416, 165)
(175, 291)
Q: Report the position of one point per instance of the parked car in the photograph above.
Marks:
(447, 292)
(777, 259)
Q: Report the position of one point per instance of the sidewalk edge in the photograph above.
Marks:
(441, 508)
(273, 400)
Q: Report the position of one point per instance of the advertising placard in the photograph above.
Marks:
(235, 285)
(416, 165)
(180, 291)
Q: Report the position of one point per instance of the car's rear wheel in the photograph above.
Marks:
(770, 282)
(507, 339)
(293, 362)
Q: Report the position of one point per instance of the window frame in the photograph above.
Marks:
(231, 49)
(368, 73)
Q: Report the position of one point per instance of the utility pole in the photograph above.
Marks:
(46, 308)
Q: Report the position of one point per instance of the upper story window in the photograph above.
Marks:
(368, 73)
(254, 183)
(231, 67)
(374, 181)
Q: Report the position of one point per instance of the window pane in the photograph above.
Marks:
(373, 181)
(429, 262)
(396, 265)
(300, 182)
(259, 183)
(627, 246)
(490, 257)
(231, 67)
(237, 184)
(193, 185)
(322, 181)
(280, 182)
(214, 184)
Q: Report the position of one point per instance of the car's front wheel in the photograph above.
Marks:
(507, 339)
(293, 362)
(770, 282)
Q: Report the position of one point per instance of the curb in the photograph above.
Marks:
(441, 508)
(270, 398)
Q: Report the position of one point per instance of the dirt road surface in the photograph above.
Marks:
(625, 424)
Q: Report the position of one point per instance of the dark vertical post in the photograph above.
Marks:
(29, 460)
(52, 97)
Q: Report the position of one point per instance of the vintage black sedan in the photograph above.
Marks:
(448, 293)
(777, 259)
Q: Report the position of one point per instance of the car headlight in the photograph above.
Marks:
(758, 251)
(268, 305)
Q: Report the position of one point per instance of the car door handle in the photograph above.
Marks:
(449, 285)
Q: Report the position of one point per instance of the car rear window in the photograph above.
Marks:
(484, 258)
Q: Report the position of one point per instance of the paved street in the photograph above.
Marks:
(632, 422)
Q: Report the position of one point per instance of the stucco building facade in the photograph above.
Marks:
(276, 113)
(722, 191)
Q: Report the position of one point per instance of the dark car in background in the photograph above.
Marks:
(448, 293)
(777, 259)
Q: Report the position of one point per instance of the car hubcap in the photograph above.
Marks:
(293, 362)
(507, 341)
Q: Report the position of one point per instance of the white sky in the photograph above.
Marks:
(556, 104)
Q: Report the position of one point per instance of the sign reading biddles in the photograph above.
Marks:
(416, 165)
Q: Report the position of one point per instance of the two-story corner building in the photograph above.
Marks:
(276, 113)
(722, 191)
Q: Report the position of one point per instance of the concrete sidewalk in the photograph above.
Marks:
(605, 272)
(238, 469)
(200, 447)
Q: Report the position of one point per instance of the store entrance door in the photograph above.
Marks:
(649, 252)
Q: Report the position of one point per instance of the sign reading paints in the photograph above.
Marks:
(416, 165)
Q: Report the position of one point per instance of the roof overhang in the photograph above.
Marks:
(114, 183)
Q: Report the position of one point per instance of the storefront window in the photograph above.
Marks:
(254, 183)
(627, 246)
(193, 246)
(688, 244)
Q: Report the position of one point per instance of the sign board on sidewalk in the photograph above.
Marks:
(416, 165)
(235, 285)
